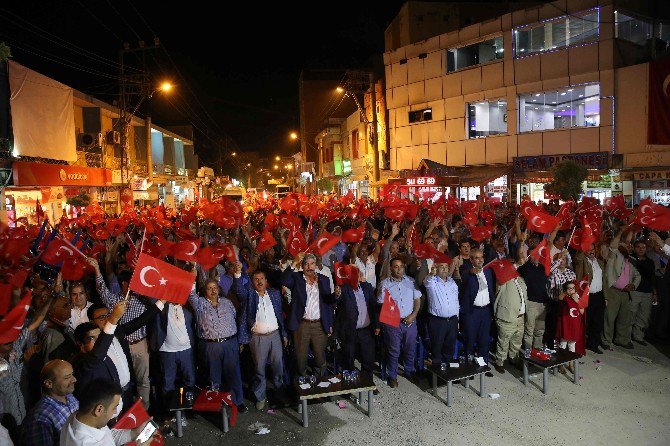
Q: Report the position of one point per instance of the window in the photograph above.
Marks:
(475, 54)
(354, 144)
(425, 114)
(487, 118)
(577, 106)
(632, 29)
(558, 33)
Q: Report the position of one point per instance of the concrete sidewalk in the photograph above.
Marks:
(619, 401)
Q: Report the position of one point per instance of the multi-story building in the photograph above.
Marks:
(493, 105)
(65, 143)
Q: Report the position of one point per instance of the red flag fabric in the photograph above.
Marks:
(394, 213)
(271, 222)
(56, 252)
(542, 253)
(470, 206)
(428, 251)
(5, 297)
(18, 277)
(38, 209)
(354, 235)
(542, 222)
(504, 270)
(74, 268)
(12, 324)
(296, 243)
(481, 233)
(583, 288)
(186, 251)
(289, 203)
(211, 401)
(208, 258)
(583, 239)
(226, 221)
(566, 215)
(308, 210)
(390, 313)
(616, 206)
(346, 273)
(527, 206)
(652, 215)
(290, 221)
(266, 242)
(227, 251)
(232, 208)
(14, 248)
(658, 123)
(470, 218)
(160, 280)
(135, 416)
(323, 243)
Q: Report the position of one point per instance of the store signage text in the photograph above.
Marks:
(655, 175)
(420, 181)
(594, 160)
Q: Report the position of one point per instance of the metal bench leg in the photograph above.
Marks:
(369, 403)
(305, 417)
(481, 385)
(553, 371)
(434, 384)
(545, 381)
(525, 373)
(449, 393)
(224, 418)
(576, 369)
(180, 429)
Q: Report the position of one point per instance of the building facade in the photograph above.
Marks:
(497, 103)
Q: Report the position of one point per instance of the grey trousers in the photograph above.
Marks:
(534, 324)
(640, 311)
(306, 334)
(509, 340)
(139, 354)
(264, 349)
(617, 315)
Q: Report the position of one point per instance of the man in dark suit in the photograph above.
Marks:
(261, 326)
(478, 293)
(356, 321)
(310, 316)
(104, 351)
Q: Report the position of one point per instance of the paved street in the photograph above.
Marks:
(621, 401)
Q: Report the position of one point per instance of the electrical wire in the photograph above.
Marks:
(142, 18)
(102, 23)
(123, 19)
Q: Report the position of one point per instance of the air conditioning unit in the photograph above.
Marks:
(89, 140)
(113, 137)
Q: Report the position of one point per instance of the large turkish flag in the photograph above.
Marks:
(160, 280)
(658, 122)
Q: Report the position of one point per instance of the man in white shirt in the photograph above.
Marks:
(80, 305)
(366, 263)
(88, 426)
(587, 264)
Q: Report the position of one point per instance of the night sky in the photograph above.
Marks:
(238, 70)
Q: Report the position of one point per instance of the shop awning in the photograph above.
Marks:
(479, 175)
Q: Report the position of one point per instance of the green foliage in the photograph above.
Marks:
(5, 51)
(81, 200)
(324, 184)
(568, 177)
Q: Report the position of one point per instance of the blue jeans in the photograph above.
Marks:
(402, 338)
(171, 361)
(224, 357)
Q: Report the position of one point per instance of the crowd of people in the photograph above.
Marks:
(304, 285)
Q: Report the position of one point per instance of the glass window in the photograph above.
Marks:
(631, 29)
(487, 118)
(425, 114)
(475, 54)
(577, 106)
(558, 33)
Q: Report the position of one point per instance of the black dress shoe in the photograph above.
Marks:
(628, 346)
(242, 408)
(595, 349)
(500, 369)
(489, 374)
(642, 343)
(393, 383)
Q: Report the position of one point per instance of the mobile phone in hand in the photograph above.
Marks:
(147, 432)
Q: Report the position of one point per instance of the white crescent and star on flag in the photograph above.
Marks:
(162, 281)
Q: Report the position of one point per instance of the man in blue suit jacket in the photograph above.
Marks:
(311, 314)
(475, 305)
(261, 326)
(356, 321)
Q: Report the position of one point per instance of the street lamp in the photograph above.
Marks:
(276, 167)
(277, 158)
(293, 136)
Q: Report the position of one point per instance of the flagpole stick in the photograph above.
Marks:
(74, 247)
(571, 235)
(142, 243)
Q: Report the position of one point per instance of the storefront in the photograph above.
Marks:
(648, 183)
(531, 173)
(52, 185)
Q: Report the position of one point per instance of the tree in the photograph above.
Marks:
(325, 184)
(81, 200)
(568, 179)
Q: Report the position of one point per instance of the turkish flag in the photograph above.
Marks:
(470, 206)
(226, 221)
(583, 287)
(323, 243)
(346, 273)
(186, 251)
(394, 213)
(526, 207)
(207, 259)
(308, 210)
(481, 233)
(56, 252)
(135, 416)
(411, 211)
(266, 242)
(227, 251)
(582, 239)
(74, 268)
(542, 253)
(12, 324)
(211, 401)
(470, 218)
(566, 215)
(616, 206)
(354, 235)
(296, 243)
(658, 123)
(160, 280)
(542, 222)
(17, 277)
(232, 208)
(428, 251)
(504, 270)
(290, 221)
(390, 313)
(101, 234)
(289, 203)
(652, 215)
(271, 222)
